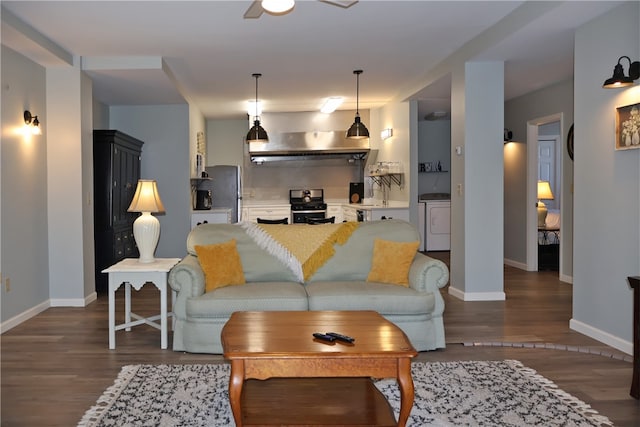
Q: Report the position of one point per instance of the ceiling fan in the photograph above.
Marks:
(256, 9)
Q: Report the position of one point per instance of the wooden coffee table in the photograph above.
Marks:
(278, 346)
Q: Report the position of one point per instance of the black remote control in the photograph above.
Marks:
(341, 337)
(324, 337)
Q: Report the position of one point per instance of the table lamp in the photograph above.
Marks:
(544, 192)
(146, 228)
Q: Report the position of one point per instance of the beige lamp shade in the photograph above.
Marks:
(544, 190)
(146, 198)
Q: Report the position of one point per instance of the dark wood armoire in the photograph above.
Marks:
(116, 170)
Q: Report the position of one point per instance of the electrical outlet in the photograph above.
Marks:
(459, 189)
(7, 284)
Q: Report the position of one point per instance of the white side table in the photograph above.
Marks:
(131, 272)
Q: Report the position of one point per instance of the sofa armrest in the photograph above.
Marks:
(187, 276)
(428, 274)
(187, 279)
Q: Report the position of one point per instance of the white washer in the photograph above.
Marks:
(437, 229)
(422, 208)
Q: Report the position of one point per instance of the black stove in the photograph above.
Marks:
(307, 205)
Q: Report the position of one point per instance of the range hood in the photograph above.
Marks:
(309, 145)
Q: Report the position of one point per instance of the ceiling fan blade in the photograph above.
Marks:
(341, 3)
(255, 10)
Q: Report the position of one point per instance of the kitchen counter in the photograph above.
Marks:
(212, 216)
(379, 206)
(375, 210)
(259, 203)
(373, 205)
(211, 211)
(342, 202)
(341, 209)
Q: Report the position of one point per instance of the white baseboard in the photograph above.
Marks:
(603, 337)
(34, 311)
(477, 296)
(74, 302)
(515, 264)
(523, 266)
(24, 316)
(566, 279)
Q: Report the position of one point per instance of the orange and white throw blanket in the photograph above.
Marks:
(301, 247)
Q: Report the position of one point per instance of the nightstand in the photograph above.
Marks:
(131, 272)
(548, 248)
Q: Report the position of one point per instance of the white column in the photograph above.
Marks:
(65, 186)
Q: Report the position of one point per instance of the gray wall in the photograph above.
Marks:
(164, 130)
(551, 100)
(24, 259)
(100, 115)
(434, 144)
(225, 141)
(607, 198)
(549, 129)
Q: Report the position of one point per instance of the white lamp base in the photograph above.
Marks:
(146, 231)
(542, 215)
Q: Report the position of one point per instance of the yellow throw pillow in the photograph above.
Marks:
(391, 261)
(221, 265)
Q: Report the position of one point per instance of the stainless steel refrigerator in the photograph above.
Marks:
(226, 188)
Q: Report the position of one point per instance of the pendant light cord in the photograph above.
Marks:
(357, 130)
(357, 73)
(256, 75)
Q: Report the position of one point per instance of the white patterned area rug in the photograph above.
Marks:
(470, 393)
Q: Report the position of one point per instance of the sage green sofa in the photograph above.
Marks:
(339, 284)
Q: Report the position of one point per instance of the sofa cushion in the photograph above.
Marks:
(256, 296)
(258, 265)
(391, 261)
(360, 295)
(352, 261)
(221, 265)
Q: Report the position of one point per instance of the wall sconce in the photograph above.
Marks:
(619, 79)
(508, 135)
(386, 133)
(31, 120)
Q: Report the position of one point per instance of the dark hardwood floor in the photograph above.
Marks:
(56, 365)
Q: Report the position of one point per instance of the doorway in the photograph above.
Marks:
(544, 160)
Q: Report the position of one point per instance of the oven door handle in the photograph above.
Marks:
(307, 212)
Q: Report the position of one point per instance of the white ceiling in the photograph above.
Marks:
(157, 52)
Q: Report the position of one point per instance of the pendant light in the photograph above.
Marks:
(257, 132)
(357, 130)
